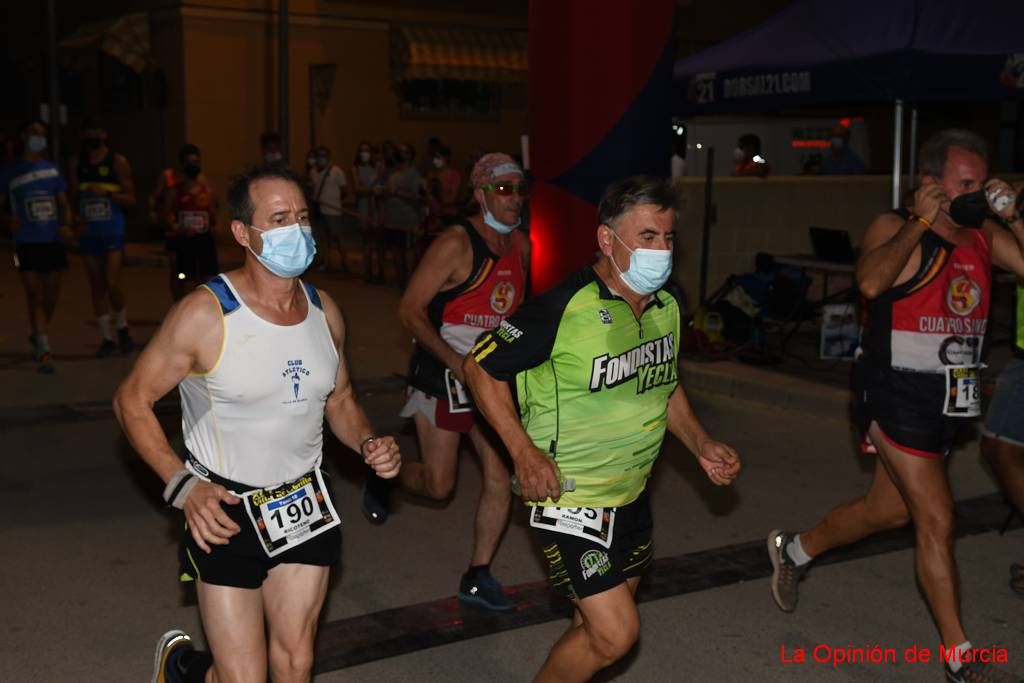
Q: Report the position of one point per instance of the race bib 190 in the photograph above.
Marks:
(292, 513)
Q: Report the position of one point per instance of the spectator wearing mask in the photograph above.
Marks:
(270, 147)
(329, 189)
(749, 161)
(366, 174)
(841, 160)
(401, 209)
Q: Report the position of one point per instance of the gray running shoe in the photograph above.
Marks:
(786, 574)
(978, 672)
(169, 643)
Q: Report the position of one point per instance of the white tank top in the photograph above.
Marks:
(257, 416)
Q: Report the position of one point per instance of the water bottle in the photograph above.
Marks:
(567, 486)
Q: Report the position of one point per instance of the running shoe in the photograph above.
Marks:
(786, 574)
(37, 351)
(168, 648)
(977, 672)
(485, 590)
(124, 341)
(107, 349)
(376, 498)
(1017, 578)
(46, 366)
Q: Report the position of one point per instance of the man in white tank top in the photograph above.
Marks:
(257, 357)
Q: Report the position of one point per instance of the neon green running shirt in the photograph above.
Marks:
(591, 382)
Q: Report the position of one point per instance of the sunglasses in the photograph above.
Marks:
(506, 189)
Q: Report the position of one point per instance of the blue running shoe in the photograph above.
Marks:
(484, 590)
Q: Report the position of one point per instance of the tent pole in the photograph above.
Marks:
(912, 166)
(53, 82)
(282, 77)
(897, 153)
(709, 220)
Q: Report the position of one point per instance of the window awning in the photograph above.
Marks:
(126, 39)
(461, 54)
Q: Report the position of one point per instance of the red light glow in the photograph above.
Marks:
(804, 144)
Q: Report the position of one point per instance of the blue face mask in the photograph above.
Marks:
(287, 251)
(36, 143)
(648, 268)
(501, 227)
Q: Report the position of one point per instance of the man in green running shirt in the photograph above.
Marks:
(581, 384)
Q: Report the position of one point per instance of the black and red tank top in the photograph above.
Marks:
(493, 291)
(937, 318)
(193, 209)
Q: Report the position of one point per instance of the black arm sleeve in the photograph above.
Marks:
(525, 339)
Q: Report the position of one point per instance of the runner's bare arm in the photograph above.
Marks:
(167, 359)
(64, 209)
(189, 340)
(1007, 245)
(433, 274)
(719, 461)
(346, 417)
(126, 197)
(537, 473)
(889, 253)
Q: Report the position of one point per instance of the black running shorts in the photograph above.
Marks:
(195, 257)
(40, 257)
(579, 567)
(243, 563)
(907, 408)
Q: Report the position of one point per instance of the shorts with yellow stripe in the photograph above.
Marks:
(581, 567)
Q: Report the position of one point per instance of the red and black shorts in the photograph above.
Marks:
(907, 407)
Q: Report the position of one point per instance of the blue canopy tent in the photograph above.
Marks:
(828, 52)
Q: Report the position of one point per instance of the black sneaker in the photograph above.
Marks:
(1017, 578)
(37, 351)
(46, 366)
(124, 341)
(786, 574)
(170, 644)
(978, 672)
(107, 349)
(376, 498)
(485, 591)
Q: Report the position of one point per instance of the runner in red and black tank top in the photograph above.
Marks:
(918, 332)
(492, 292)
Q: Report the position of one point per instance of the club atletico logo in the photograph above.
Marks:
(963, 296)
(502, 297)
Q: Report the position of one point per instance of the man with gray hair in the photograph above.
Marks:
(581, 384)
(471, 278)
(927, 276)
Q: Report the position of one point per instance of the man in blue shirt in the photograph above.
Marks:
(33, 192)
(102, 186)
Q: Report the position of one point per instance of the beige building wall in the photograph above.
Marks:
(229, 56)
(772, 215)
(769, 215)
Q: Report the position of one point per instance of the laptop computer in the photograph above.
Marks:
(832, 245)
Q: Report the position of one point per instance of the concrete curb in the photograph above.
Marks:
(775, 389)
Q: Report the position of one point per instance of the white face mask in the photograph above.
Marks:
(648, 268)
(438, 162)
